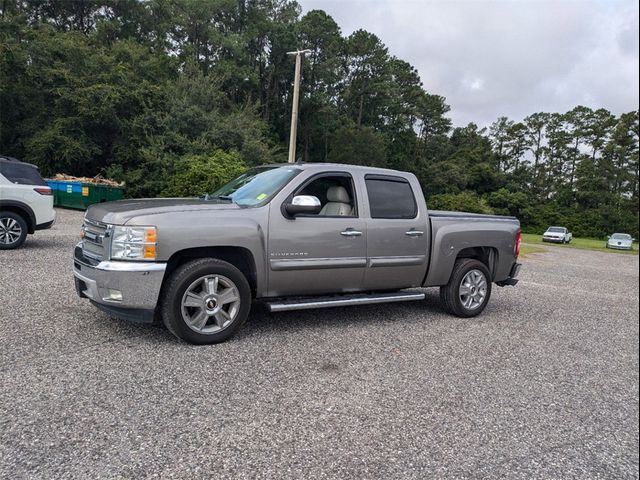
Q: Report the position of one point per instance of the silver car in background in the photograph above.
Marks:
(620, 241)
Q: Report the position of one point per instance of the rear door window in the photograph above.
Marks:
(390, 197)
(21, 173)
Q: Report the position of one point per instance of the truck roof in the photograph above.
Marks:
(327, 165)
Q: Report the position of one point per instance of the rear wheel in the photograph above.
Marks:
(206, 301)
(13, 230)
(469, 288)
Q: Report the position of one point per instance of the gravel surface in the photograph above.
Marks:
(543, 385)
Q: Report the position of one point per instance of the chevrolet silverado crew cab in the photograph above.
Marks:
(295, 236)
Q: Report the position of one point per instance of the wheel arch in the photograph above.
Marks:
(239, 257)
(22, 209)
(486, 255)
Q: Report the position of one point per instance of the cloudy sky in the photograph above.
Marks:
(511, 58)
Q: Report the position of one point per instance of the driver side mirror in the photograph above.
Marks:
(303, 204)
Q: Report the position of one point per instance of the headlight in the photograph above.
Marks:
(133, 243)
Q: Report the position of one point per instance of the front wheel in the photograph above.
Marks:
(469, 288)
(206, 301)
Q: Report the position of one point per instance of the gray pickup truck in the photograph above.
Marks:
(294, 236)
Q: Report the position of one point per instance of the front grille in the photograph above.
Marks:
(95, 244)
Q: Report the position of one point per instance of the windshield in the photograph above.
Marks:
(256, 186)
(556, 230)
(621, 236)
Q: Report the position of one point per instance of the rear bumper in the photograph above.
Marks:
(46, 225)
(512, 280)
(127, 290)
(46, 217)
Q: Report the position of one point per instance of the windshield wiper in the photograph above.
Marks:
(228, 198)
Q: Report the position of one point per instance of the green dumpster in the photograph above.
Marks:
(80, 195)
(95, 193)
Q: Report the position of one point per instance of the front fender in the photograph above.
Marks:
(196, 229)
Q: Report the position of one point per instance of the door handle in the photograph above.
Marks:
(350, 232)
(414, 233)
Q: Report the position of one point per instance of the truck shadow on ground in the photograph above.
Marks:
(262, 323)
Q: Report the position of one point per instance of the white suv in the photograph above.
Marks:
(26, 202)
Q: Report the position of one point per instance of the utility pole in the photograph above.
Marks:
(296, 98)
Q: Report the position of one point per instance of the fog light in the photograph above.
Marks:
(114, 295)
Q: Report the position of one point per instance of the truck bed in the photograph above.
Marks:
(461, 215)
(462, 233)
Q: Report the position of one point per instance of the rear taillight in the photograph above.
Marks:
(44, 190)
(518, 242)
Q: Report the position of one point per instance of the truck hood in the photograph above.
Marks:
(121, 211)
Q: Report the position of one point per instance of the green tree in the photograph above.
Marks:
(356, 145)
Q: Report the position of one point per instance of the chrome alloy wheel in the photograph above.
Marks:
(210, 304)
(10, 231)
(473, 289)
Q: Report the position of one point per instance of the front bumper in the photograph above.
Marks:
(136, 283)
(620, 247)
(553, 239)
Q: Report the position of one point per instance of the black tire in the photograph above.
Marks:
(18, 226)
(450, 293)
(179, 282)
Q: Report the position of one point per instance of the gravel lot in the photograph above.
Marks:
(543, 385)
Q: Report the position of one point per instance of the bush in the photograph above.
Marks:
(460, 202)
(196, 175)
(505, 202)
(537, 218)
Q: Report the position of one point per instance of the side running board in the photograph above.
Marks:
(306, 303)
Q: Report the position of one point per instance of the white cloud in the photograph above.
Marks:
(513, 58)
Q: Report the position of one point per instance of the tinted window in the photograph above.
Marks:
(390, 199)
(21, 173)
